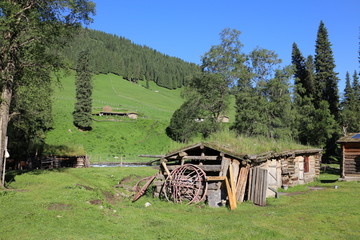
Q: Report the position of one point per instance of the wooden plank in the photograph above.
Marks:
(232, 201)
(201, 158)
(231, 178)
(236, 170)
(215, 178)
(206, 168)
(264, 187)
(250, 183)
(225, 163)
(163, 163)
(241, 185)
(244, 183)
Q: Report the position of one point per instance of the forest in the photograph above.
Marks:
(299, 101)
(118, 55)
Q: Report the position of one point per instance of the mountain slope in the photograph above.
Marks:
(114, 136)
(113, 54)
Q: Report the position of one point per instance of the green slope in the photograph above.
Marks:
(120, 136)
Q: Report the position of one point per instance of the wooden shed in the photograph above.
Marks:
(232, 177)
(350, 164)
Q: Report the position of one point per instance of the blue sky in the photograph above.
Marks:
(187, 29)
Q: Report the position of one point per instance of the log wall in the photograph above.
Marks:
(351, 159)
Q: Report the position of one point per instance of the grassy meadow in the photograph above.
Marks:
(114, 138)
(83, 204)
(118, 136)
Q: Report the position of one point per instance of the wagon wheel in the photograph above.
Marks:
(141, 191)
(186, 183)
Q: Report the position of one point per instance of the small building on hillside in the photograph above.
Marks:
(109, 111)
(209, 172)
(350, 164)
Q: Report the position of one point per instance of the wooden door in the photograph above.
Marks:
(258, 186)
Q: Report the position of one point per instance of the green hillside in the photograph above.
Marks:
(113, 135)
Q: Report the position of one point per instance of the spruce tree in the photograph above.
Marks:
(326, 77)
(298, 62)
(83, 105)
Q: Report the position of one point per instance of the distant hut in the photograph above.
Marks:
(350, 164)
(132, 115)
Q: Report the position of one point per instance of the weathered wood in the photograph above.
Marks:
(225, 166)
(215, 178)
(236, 170)
(163, 163)
(241, 184)
(201, 157)
(182, 154)
(250, 183)
(232, 180)
(194, 157)
(232, 201)
(206, 168)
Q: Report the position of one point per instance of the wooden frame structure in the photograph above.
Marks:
(350, 160)
(234, 177)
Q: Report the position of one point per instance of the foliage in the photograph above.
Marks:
(56, 205)
(225, 58)
(304, 73)
(263, 102)
(350, 104)
(31, 120)
(316, 90)
(83, 106)
(325, 76)
(253, 145)
(118, 55)
(207, 98)
(31, 31)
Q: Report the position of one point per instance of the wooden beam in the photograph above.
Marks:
(232, 201)
(201, 157)
(163, 163)
(151, 156)
(206, 168)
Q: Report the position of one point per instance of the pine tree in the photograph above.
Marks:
(298, 62)
(326, 78)
(309, 81)
(83, 106)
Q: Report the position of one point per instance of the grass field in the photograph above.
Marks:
(122, 137)
(83, 204)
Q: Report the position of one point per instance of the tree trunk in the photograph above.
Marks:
(4, 120)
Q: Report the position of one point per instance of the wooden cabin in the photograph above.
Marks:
(235, 177)
(350, 164)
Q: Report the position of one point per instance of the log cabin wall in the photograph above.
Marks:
(351, 159)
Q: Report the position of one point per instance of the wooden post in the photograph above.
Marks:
(232, 200)
(4, 165)
(163, 163)
(232, 180)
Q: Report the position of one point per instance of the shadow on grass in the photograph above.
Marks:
(11, 174)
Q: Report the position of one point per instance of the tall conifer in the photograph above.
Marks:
(326, 78)
(83, 106)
